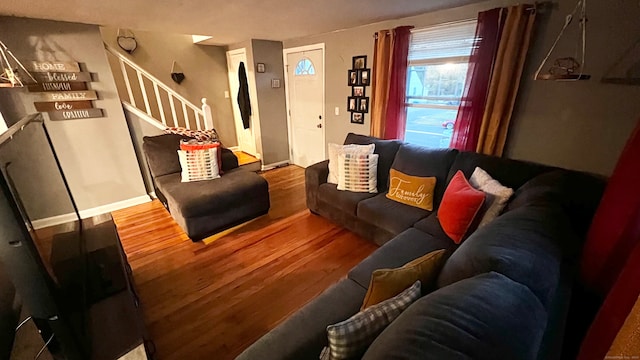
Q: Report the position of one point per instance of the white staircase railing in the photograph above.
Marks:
(180, 112)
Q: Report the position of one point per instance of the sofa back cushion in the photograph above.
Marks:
(486, 317)
(386, 149)
(420, 161)
(526, 245)
(578, 193)
(510, 173)
(162, 153)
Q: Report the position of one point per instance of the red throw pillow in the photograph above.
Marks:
(460, 205)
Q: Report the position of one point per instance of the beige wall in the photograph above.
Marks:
(204, 67)
(575, 125)
(96, 154)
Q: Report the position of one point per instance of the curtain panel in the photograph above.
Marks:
(388, 83)
(487, 133)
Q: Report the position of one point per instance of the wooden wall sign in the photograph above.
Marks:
(69, 95)
(62, 76)
(57, 66)
(62, 105)
(57, 86)
(75, 114)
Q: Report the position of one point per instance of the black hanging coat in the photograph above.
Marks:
(243, 96)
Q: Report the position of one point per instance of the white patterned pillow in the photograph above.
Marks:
(201, 164)
(497, 194)
(358, 173)
(350, 339)
(335, 150)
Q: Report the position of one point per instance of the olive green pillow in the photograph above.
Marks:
(387, 283)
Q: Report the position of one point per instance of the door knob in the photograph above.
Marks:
(319, 126)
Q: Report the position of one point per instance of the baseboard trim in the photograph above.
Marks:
(153, 195)
(274, 165)
(233, 148)
(64, 218)
(54, 220)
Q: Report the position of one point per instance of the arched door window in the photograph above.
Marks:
(305, 67)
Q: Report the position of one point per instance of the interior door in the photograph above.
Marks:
(246, 140)
(305, 85)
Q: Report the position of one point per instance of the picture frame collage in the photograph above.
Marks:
(358, 78)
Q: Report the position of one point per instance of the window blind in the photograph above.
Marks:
(442, 41)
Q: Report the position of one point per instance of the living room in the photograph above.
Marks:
(218, 296)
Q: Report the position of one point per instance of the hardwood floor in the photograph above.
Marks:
(212, 301)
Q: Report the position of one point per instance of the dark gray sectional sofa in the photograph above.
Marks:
(10, 306)
(203, 208)
(504, 293)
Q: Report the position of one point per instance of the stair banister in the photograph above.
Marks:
(200, 115)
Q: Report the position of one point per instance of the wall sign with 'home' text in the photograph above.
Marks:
(63, 89)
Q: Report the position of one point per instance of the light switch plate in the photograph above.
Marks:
(337, 111)
(226, 94)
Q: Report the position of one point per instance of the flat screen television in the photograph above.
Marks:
(71, 274)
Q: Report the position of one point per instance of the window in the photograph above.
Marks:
(305, 67)
(438, 61)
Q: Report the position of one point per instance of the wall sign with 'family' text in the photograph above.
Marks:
(63, 90)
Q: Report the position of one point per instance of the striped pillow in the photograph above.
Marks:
(358, 172)
(350, 339)
(200, 164)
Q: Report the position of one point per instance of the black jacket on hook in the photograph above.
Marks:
(243, 96)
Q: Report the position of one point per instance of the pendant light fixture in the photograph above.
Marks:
(568, 68)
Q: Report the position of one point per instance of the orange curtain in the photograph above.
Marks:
(382, 65)
(503, 88)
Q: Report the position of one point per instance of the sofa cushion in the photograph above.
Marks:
(162, 153)
(431, 225)
(460, 205)
(486, 317)
(408, 246)
(497, 195)
(199, 198)
(388, 214)
(578, 193)
(385, 148)
(524, 244)
(349, 339)
(510, 173)
(387, 283)
(303, 335)
(346, 201)
(420, 161)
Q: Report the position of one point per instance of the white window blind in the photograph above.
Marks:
(442, 41)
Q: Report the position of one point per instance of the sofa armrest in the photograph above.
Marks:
(315, 175)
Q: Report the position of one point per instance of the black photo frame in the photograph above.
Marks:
(352, 103)
(357, 118)
(358, 91)
(363, 104)
(352, 78)
(364, 77)
(359, 62)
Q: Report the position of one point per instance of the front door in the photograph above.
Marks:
(305, 85)
(246, 141)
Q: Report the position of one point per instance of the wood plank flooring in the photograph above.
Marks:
(212, 301)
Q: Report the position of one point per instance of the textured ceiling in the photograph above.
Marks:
(228, 21)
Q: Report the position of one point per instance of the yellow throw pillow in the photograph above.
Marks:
(411, 190)
(387, 283)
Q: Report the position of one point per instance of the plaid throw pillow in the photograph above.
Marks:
(351, 338)
(358, 172)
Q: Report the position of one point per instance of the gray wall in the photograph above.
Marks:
(575, 125)
(97, 155)
(204, 67)
(138, 129)
(271, 102)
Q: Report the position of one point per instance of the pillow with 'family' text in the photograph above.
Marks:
(410, 190)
